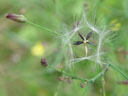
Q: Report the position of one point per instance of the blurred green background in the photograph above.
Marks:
(22, 46)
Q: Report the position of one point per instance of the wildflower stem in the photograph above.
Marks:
(43, 28)
(67, 74)
(78, 78)
(103, 86)
(118, 70)
(98, 75)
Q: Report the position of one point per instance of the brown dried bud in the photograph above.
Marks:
(44, 62)
(123, 82)
(16, 17)
(60, 78)
(82, 85)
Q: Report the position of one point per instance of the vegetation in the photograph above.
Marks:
(63, 48)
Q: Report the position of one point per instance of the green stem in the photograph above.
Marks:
(98, 75)
(78, 78)
(67, 74)
(43, 28)
(118, 70)
(103, 87)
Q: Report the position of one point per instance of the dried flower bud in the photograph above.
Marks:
(17, 18)
(69, 80)
(83, 84)
(123, 82)
(60, 78)
(44, 62)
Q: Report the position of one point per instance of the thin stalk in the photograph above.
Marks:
(98, 75)
(78, 78)
(103, 86)
(67, 74)
(43, 28)
(118, 70)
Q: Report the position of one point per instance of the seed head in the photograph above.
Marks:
(16, 17)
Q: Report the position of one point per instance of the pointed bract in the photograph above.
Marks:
(78, 42)
(82, 37)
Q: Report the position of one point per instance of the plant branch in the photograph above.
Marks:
(43, 28)
(118, 70)
(98, 75)
(78, 78)
(67, 74)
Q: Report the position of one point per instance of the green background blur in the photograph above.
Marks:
(21, 73)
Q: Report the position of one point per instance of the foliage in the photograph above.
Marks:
(20, 69)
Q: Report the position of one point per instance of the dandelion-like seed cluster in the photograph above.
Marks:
(99, 34)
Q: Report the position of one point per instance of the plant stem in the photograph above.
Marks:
(68, 74)
(103, 87)
(118, 70)
(43, 28)
(98, 75)
(78, 78)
